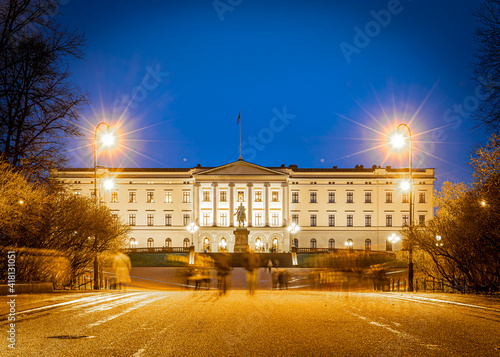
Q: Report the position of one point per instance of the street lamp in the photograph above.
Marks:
(107, 140)
(398, 141)
(439, 243)
(293, 228)
(393, 238)
(192, 228)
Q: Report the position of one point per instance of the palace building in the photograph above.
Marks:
(353, 208)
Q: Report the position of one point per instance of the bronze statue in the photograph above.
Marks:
(240, 215)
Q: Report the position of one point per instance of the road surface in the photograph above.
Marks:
(270, 323)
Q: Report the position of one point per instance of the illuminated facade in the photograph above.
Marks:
(356, 208)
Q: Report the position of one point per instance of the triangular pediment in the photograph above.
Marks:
(241, 167)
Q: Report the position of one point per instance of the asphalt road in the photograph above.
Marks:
(270, 323)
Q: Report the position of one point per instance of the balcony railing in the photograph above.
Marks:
(158, 250)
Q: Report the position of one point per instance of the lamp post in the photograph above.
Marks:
(108, 140)
(398, 141)
(293, 228)
(192, 228)
(393, 238)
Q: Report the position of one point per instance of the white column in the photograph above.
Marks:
(196, 203)
(231, 204)
(266, 203)
(250, 200)
(284, 205)
(214, 210)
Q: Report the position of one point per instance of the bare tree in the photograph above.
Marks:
(487, 63)
(39, 104)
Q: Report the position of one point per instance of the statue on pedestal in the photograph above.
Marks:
(240, 215)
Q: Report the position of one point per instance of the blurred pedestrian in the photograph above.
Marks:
(281, 279)
(251, 262)
(274, 277)
(121, 266)
(269, 265)
(223, 271)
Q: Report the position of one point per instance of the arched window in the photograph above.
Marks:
(168, 243)
(314, 243)
(296, 242)
(388, 245)
(206, 244)
(151, 242)
(368, 244)
(258, 244)
(275, 244)
(331, 243)
(186, 243)
(133, 243)
(349, 244)
(223, 244)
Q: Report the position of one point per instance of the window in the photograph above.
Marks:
(295, 196)
(185, 219)
(313, 197)
(151, 242)
(168, 196)
(404, 198)
(223, 244)
(368, 220)
(241, 196)
(223, 196)
(131, 219)
(258, 219)
(405, 220)
(368, 244)
(114, 197)
(350, 219)
(388, 245)
(168, 219)
(421, 219)
(295, 218)
(151, 219)
(275, 219)
(275, 245)
(132, 197)
(388, 197)
(150, 197)
(115, 216)
(275, 196)
(388, 220)
(186, 196)
(313, 220)
(368, 197)
(206, 195)
(258, 196)
(132, 243)
(331, 243)
(168, 243)
(185, 243)
(421, 197)
(350, 197)
(314, 243)
(206, 219)
(331, 197)
(331, 220)
(206, 244)
(349, 244)
(223, 219)
(296, 242)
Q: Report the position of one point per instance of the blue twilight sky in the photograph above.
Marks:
(318, 83)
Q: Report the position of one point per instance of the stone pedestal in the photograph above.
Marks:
(241, 240)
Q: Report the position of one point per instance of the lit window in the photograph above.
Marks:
(296, 242)
(168, 219)
(368, 197)
(350, 219)
(258, 196)
(132, 197)
(168, 196)
(313, 220)
(405, 220)
(350, 244)
(223, 196)
(185, 243)
(168, 242)
(388, 197)
(388, 220)
(241, 196)
(150, 197)
(131, 219)
(275, 196)
(368, 220)
(114, 197)
(186, 196)
(404, 198)
(132, 243)
(331, 220)
(368, 244)
(206, 196)
(350, 197)
(151, 219)
(151, 242)
(313, 197)
(331, 197)
(295, 196)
